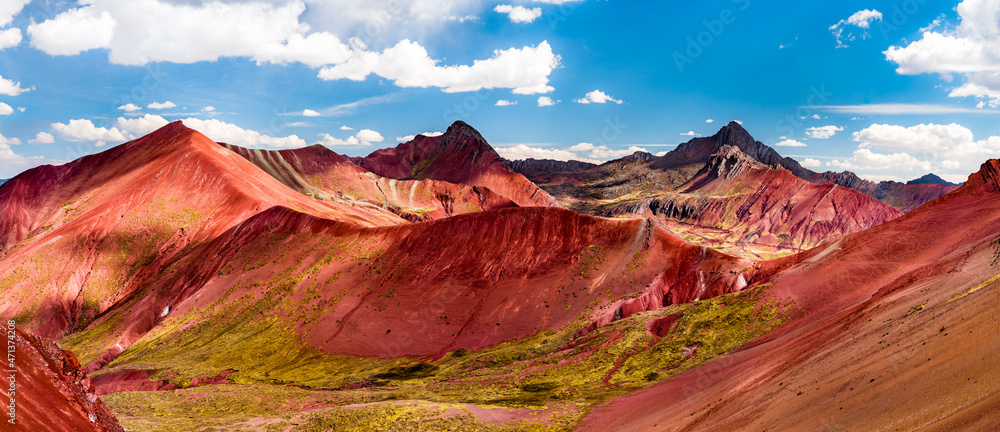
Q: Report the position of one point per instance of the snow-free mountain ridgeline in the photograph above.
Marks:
(431, 286)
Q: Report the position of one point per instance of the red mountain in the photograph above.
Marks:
(460, 156)
(904, 309)
(105, 221)
(52, 391)
(736, 200)
(325, 175)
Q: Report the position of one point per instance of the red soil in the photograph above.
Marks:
(884, 337)
(52, 391)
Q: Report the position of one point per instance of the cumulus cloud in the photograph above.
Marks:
(605, 153)
(407, 64)
(42, 138)
(310, 113)
(11, 88)
(208, 109)
(73, 31)
(10, 38)
(972, 50)
(368, 136)
(130, 107)
(810, 163)
(522, 151)
(597, 97)
(137, 32)
(346, 128)
(9, 9)
(709, 121)
(364, 137)
(12, 163)
(581, 147)
(84, 130)
(519, 14)
(945, 149)
(865, 159)
(9, 141)
(545, 101)
(861, 19)
(161, 105)
(503, 102)
(125, 129)
(409, 138)
(790, 143)
(823, 132)
(689, 133)
(5, 109)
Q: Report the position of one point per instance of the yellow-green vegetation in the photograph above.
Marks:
(548, 370)
(263, 407)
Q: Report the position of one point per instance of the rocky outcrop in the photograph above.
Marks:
(51, 390)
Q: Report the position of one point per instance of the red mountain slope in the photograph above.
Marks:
(906, 309)
(323, 174)
(52, 391)
(78, 237)
(460, 156)
(735, 200)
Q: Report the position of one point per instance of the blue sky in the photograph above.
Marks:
(890, 90)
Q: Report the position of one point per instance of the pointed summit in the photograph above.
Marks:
(460, 155)
(700, 150)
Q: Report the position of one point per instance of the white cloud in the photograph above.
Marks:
(407, 64)
(861, 19)
(21, 109)
(519, 14)
(605, 153)
(816, 116)
(10, 38)
(545, 101)
(582, 147)
(597, 97)
(409, 138)
(11, 88)
(810, 163)
(139, 126)
(130, 107)
(137, 32)
(522, 151)
(689, 133)
(346, 128)
(42, 138)
(368, 136)
(232, 134)
(556, 2)
(74, 31)
(823, 132)
(310, 113)
(790, 143)
(5, 109)
(709, 121)
(9, 141)
(739, 122)
(208, 109)
(9, 9)
(161, 105)
(865, 159)
(364, 137)
(503, 102)
(945, 149)
(972, 49)
(84, 130)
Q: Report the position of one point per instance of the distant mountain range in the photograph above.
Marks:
(302, 287)
(680, 163)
